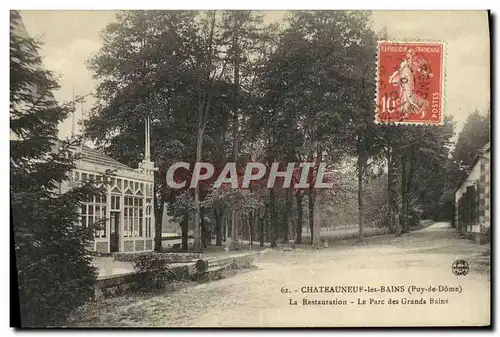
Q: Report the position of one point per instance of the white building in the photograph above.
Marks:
(472, 198)
(125, 208)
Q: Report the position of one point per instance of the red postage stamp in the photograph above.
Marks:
(410, 83)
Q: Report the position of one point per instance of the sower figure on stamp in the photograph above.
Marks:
(410, 103)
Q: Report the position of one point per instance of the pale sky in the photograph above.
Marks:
(72, 37)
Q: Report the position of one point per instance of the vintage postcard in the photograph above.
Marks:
(222, 168)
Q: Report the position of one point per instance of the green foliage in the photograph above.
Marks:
(375, 201)
(475, 135)
(243, 200)
(221, 86)
(55, 273)
(311, 83)
(155, 270)
(150, 262)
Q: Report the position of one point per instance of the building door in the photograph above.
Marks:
(115, 232)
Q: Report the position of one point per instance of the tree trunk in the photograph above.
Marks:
(287, 215)
(409, 182)
(205, 231)
(236, 129)
(361, 167)
(202, 230)
(389, 190)
(314, 218)
(396, 197)
(317, 212)
(393, 188)
(218, 226)
(406, 199)
(262, 221)
(399, 230)
(311, 213)
(234, 229)
(197, 229)
(316, 237)
(185, 230)
(404, 196)
(203, 109)
(226, 225)
(298, 232)
(273, 221)
(158, 209)
(250, 228)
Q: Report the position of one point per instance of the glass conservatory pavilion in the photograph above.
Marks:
(124, 210)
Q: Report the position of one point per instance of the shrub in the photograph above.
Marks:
(150, 262)
(154, 272)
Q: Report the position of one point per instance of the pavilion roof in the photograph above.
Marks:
(97, 157)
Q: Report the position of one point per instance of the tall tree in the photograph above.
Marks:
(146, 68)
(54, 269)
(166, 65)
(206, 61)
(364, 142)
(241, 34)
(327, 93)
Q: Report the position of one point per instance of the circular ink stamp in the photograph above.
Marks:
(410, 82)
(460, 268)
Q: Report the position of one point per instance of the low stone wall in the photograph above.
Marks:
(170, 257)
(135, 282)
(238, 261)
(223, 267)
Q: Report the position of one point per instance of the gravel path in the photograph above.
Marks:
(255, 298)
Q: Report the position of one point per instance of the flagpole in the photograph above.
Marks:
(73, 126)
